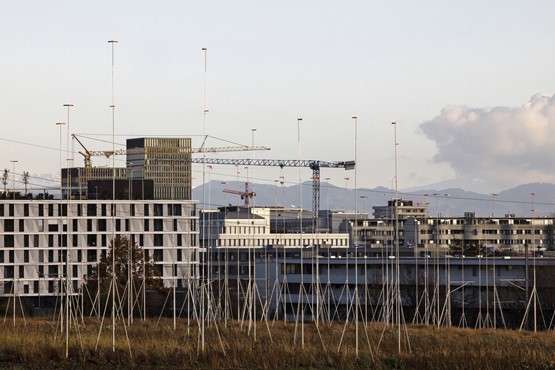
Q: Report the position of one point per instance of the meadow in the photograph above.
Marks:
(40, 343)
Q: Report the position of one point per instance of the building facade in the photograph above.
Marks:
(44, 240)
(166, 161)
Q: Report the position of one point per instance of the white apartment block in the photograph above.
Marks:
(36, 235)
(237, 227)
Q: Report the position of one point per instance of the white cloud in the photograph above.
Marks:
(504, 146)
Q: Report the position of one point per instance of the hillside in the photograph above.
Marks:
(449, 201)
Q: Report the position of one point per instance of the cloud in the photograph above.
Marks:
(501, 145)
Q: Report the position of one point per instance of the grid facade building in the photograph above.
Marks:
(166, 161)
(36, 236)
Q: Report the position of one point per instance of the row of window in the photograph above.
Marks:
(101, 225)
(91, 210)
(289, 242)
(92, 240)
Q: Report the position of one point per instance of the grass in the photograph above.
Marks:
(40, 344)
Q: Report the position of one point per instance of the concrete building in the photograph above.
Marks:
(252, 227)
(37, 235)
(496, 290)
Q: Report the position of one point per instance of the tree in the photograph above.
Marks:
(128, 257)
(459, 247)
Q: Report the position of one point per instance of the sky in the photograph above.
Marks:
(469, 84)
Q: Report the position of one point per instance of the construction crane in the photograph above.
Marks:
(314, 165)
(246, 195)
(218, 149)
(86, 157)
(87, 154)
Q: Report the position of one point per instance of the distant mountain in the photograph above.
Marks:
(443, 201)
(39, 183)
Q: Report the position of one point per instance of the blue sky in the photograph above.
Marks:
(270, 63)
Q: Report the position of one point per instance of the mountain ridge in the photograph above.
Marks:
(533, 199)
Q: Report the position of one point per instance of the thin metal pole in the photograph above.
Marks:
(113, 107)
(68, 197)
(355, 236)
(397, 273)
(301, 292)
(14, 161)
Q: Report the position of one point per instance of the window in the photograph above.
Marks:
(158, 240)
(9, 226)
(91, 255)
(158, 224)
(53, 271)
(26, 210)
(8, 273)
(91, 240)
(9, 241)
(91, 209)
(21, 225)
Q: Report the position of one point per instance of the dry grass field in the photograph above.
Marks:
(40, 344)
